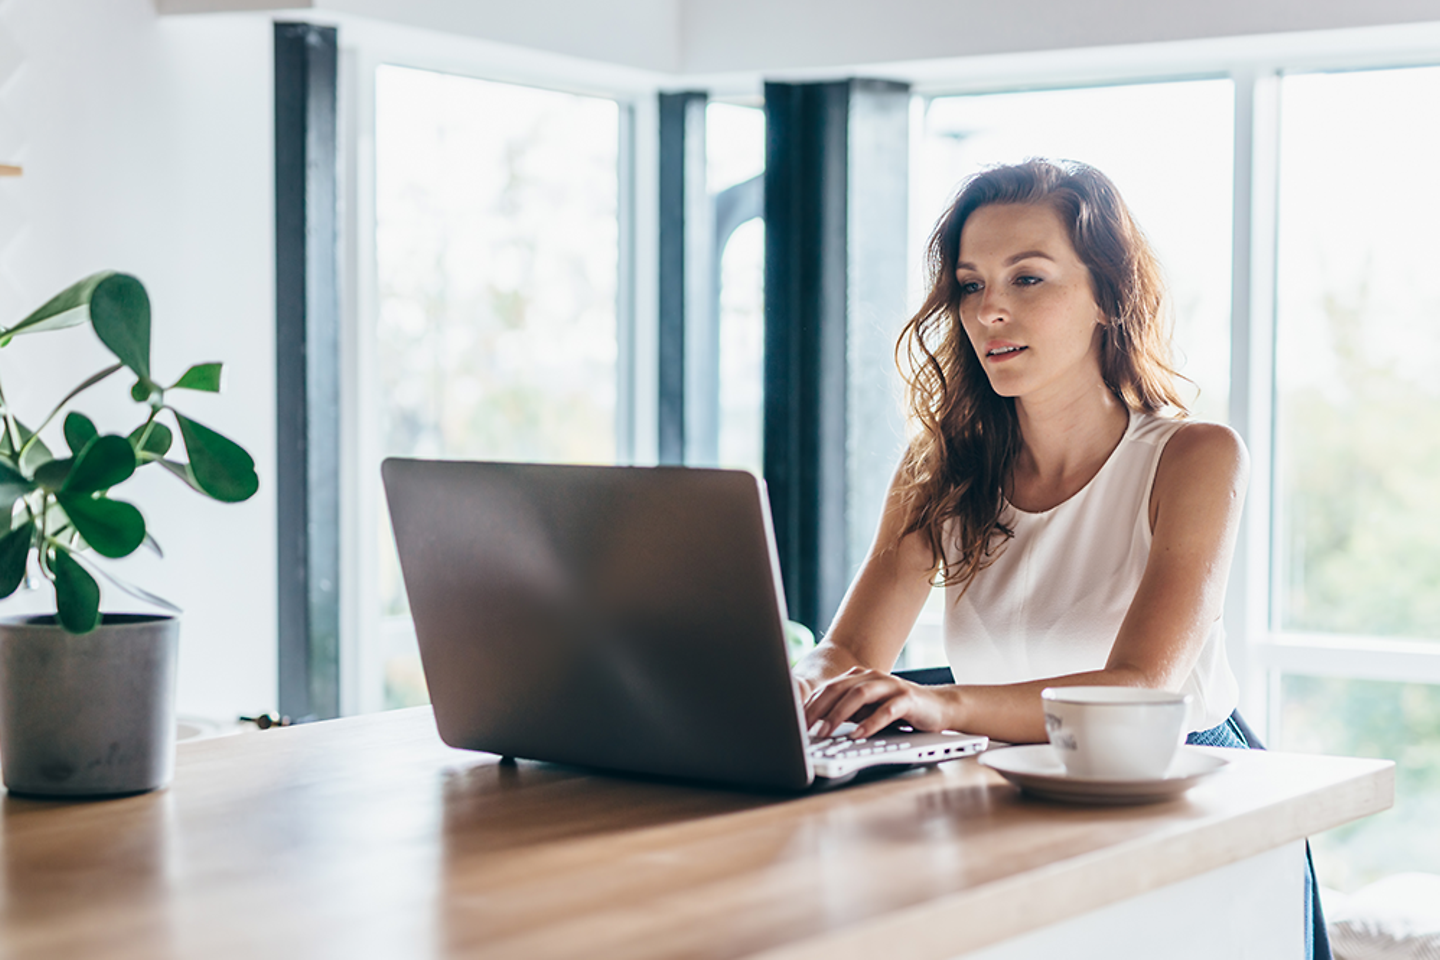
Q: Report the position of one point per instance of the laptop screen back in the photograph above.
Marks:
(619, 617)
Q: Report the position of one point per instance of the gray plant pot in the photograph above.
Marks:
(88, 715)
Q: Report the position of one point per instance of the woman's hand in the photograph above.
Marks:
(873, 700)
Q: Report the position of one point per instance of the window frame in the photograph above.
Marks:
(364, 48)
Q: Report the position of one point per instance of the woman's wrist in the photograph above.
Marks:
(810, 669)
(957, 707)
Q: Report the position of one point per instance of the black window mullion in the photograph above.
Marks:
(307, 349)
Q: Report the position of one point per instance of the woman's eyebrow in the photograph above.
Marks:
(1013, 259)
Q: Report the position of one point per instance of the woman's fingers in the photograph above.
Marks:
(822, 702)
(811, 691)
(873, 700)
(885, 713)
(866, 692)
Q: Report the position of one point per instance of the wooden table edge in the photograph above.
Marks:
(957, 923)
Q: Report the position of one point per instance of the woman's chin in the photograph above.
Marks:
(1006, 386)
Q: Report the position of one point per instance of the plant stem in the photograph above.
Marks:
(96, 378)
(11, 429)
(44, 539)
(149, 426)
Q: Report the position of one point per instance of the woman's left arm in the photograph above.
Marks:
(1195, 506)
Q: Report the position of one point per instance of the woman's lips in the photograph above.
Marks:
(1000, 352)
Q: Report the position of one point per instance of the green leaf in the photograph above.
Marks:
(145, 391)
(13, 486)
(120, 314)
(77, 595)
(202, 376)
(14, 555)
(799, 639)
(105, 462)
(65, 309)
(35, 456)
(156, 444)
(222, 469)
(52, 474)
(137, 592)
(183, 471)
(35, 453)
(78, 431)
(113, 528)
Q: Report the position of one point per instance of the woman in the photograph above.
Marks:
(1082, 528)
(1082, 538)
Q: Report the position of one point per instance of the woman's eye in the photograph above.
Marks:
(1026, 281)
(968, 287)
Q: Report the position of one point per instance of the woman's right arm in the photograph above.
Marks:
(879, 609)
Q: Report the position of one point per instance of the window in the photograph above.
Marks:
(1358, 439)
(1356, 531)
(1371, 718)
(734, 154)
(742, 348)
(497, 264)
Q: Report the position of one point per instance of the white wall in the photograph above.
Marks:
(147, 148)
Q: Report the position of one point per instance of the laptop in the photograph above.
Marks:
(622, 618)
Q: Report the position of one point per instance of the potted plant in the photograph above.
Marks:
(87, 699)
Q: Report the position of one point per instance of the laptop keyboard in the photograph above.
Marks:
(839, 744)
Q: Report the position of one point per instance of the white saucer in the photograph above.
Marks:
(1035, 769)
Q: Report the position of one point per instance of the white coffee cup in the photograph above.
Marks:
(1114, 733)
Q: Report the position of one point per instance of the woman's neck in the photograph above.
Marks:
(1063, 446)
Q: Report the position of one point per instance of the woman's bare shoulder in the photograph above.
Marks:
(1203, 456)
(1198, 441)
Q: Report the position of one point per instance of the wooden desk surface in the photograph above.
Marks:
(367, 837)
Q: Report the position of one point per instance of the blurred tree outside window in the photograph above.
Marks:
(1358, 346)
(1356, 549)
(497, 261)
(1371, 718)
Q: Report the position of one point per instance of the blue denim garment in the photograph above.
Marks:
(1234, 732)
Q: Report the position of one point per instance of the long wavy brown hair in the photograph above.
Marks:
(957, 469)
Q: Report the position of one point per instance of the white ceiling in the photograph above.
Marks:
(697, 37)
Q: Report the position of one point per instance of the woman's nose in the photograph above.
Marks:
(993, 307)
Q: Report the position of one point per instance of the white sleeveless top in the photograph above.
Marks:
(1053, 601)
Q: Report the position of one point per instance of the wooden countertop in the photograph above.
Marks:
(367, 837)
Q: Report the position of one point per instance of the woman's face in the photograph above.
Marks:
(1026, 302)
